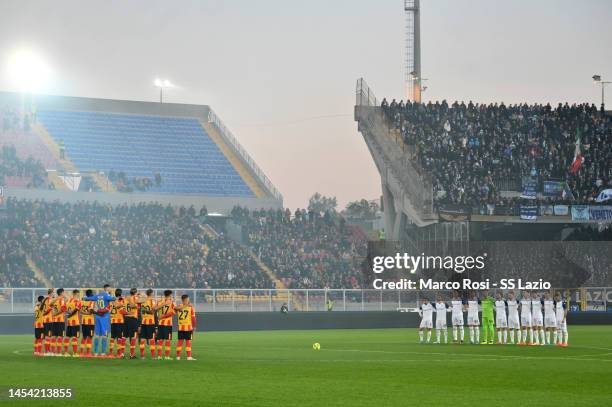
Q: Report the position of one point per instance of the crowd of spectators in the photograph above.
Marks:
(30, 171)
(86, 244)
(123, 183)
(471, 151)
(305, 249)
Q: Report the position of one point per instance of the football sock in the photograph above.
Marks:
(103, 344)
(188, 348)
(111, 347)
(75, 345)
(66, 344)
(565, 336)
(542, 335)
(179, 347)
(96, 343)
(531, 335)
(421, 336)
(159, 348)
(471, 334)
(89, 346)
(167, 348)
(505, 335)
(499, 336)
(141, 346)
(476, 334)
(512, 336)
(461, 333)
(152, 347)
(446, 336)
(455, 333)
(437, 335)
(429, 335)
(132, 346)
(47, 345)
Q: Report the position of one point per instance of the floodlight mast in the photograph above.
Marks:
(413, 78)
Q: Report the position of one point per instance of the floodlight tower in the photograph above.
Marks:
(413, 78)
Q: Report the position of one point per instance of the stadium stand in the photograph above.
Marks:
(154, 153)
(143, 245)
(471, 153)
(306, 250)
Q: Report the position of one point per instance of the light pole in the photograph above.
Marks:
(161, 84)
(597, 80)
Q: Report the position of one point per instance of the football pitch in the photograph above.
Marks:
(385, 367)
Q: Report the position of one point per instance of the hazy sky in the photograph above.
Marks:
(282, 73)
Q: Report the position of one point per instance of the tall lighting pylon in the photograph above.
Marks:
(413, 80)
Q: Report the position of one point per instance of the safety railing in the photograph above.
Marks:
(22, 300)
(364, 95)
(229, 137)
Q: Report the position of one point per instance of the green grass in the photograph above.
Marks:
(384, 367)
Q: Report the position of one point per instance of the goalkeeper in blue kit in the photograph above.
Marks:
(102, 302)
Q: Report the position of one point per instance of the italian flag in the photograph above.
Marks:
(578, 157)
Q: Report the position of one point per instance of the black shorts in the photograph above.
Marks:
(88, 331)
(185, 335)
(48, 328)
(147, 331)
(72, 331)
(117, 331)
(58, 329)
(131, 327)
(39, 333)
(164, 332)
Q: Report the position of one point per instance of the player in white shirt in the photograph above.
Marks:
(457, 306)
(537, 319)
(561, 308)
(472, 318)
(550, 318)
(526, 318)
(441, 310)
(501, 321)
(426, 313)
(514, 323)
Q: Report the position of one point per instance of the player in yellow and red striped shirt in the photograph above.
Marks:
(165, 311)
(132, 306)
(117, 320)
(87, 324)
(186, 326)
(39, 330)
(48, 321)
(59, 322)
(147, 324)
(74, 323)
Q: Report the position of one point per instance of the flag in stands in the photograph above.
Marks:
(604, 195)
(578, 157)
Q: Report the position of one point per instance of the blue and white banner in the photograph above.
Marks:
(580, 212)
(553, 188)
(561, 210)
(529, 212)
(547, 210)
(529, 190)
(600, 212)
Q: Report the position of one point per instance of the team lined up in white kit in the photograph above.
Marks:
(534, 320)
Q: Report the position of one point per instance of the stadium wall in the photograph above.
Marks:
(221, 205)
(253, 321)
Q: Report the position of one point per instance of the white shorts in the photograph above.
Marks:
(473, 320)
(426, 323)
(526, 320)
(501, 321)
(440, 323)
(550, 321)
(538, 321)
(513, 322)
(458, 320)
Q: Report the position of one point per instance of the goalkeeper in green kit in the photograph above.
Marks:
(488, 322)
